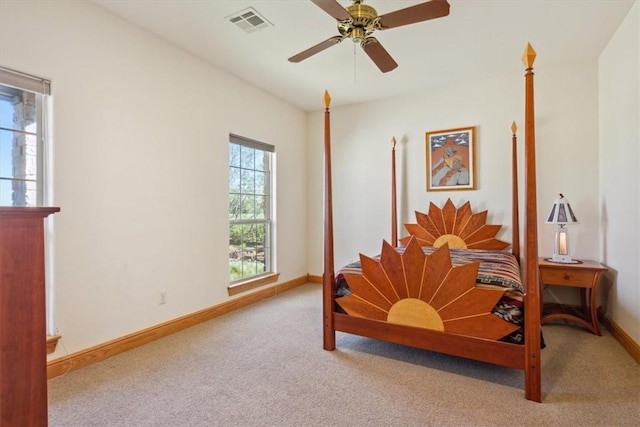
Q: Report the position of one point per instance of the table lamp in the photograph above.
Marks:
(561, 215)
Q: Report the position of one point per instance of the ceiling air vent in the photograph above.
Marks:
(249, 20)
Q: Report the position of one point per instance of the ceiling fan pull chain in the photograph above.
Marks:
(354, 63)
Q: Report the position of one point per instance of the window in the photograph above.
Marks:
(21, 138)
(250, 209)
(23, 112)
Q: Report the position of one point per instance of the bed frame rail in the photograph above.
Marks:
(498, 353)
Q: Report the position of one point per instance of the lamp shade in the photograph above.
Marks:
(561, 212)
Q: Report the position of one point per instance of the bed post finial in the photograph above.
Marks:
(529, 56)
(327, 99)
(514, 128)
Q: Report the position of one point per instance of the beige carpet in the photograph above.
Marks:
(264, 366)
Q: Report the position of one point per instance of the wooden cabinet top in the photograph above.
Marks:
(584, 264)
(25, 212)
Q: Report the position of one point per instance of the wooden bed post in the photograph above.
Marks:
(328, 275)
(515, 222)
(532, 300)
(394, 208)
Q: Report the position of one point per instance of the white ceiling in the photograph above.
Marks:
(479, 39)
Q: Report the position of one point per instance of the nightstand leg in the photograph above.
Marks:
(541, 287)
(592, 306)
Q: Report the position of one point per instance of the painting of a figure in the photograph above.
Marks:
(450, 159)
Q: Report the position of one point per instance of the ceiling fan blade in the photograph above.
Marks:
(421, 12)
(333, 8)
(317, 48)
(378, 54)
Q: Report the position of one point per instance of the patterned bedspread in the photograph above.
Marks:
(497, 269)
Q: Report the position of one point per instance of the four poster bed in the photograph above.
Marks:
(428, 292)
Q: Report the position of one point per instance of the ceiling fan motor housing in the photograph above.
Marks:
(363, 22)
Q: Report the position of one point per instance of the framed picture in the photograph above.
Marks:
(451, 163)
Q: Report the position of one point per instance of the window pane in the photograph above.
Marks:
(234, 180)
(6, 163)
(262, 207)
(248, 207)
(246, 251)
(260, 183)
(248, 184)
(234, 155)
(5, 193)
(20, 147)
(31, 193)
(235, 237)
(260, 247)
(247, 158)
(6, 112)
(29, 152)
(261, 160)
(234, 206)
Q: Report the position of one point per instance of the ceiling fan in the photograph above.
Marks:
(359, 21)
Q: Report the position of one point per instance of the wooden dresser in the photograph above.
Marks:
(23, 357)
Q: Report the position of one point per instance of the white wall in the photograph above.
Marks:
(619, 67)
(566, 102)
(140, 147)
(140, 150)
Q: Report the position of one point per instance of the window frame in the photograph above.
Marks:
(269, 275)
(17, 81)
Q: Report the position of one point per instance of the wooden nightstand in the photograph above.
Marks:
(585, 276)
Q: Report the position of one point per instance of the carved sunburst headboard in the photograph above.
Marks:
(459, 227)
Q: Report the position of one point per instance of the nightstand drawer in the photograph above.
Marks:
(566, 277)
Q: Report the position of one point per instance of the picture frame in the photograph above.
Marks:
(450, 159)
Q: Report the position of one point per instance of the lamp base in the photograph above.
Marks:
(562, 257)
(565, 261)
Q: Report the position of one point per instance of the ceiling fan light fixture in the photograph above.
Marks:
(358, 34)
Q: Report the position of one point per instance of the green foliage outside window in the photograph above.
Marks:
(249, 218)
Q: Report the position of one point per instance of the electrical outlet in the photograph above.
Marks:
(163, 298)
